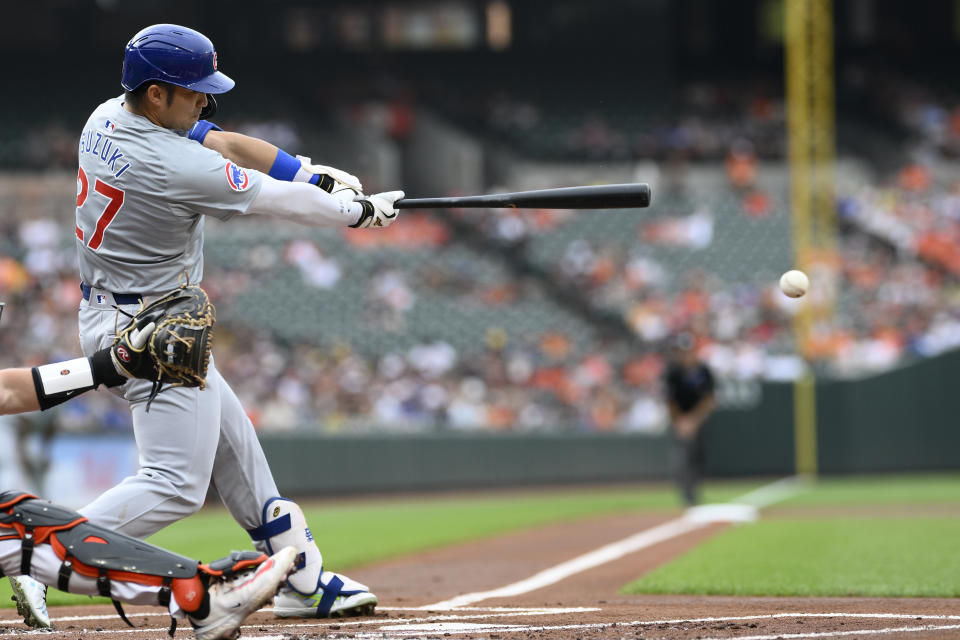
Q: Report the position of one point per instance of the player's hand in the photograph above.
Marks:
(345, 193)
(378, 209)
(342, 177)
(129, 353)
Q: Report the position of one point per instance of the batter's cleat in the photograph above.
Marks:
(231, 601)
(31, 599)
(337, 597)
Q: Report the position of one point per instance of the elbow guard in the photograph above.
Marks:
(200, 130)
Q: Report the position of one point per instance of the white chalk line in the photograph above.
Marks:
(595, 558)
(836, 634)
(533, 611)
(443, 622)
(774, 492)
(397, 630)
(764, 496)
(492, 612)
(551, 610)
(778, 636)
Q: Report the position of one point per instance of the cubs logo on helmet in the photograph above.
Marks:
(237, 177)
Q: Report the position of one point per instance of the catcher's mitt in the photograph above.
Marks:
(177, 353)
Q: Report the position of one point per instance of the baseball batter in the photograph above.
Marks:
(145, 185)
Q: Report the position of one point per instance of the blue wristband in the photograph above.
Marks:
(200, 130)
(285, 167)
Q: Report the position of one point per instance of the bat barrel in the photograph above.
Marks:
(610, 196)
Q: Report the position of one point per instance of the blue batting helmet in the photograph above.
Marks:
(174, 54)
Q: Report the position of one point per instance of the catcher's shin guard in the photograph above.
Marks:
(285, 525)
(93, 551)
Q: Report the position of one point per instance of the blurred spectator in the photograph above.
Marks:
(741, 164)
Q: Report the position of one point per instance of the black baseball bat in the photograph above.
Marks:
(608, 196)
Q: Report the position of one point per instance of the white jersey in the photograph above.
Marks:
(142, 192)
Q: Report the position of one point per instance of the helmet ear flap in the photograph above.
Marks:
(211, 109)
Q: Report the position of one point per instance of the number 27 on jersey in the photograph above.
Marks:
(114, 202)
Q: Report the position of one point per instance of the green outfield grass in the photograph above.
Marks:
(891, 556)
(864, 557)
(367, 530)
(927, 488)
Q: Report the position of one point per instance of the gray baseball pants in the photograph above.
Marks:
(188, 439)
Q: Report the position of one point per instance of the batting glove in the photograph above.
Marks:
(330, 175)
(378, 209)
(344, 193)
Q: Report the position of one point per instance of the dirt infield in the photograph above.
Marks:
(583, 605)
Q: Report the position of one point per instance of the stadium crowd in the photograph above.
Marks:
(892, 307)
(892, 284)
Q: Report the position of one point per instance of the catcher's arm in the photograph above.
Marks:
(17, 394)
(23, 390)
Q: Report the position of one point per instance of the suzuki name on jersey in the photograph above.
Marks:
(98, 144)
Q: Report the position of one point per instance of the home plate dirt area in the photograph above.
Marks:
(557, 581)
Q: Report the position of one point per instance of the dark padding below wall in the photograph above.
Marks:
(309, 464)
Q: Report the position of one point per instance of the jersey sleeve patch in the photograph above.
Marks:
(237, 178)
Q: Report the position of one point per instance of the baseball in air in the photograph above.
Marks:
(794, 283)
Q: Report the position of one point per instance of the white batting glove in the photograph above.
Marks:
(378, 209)
(340, 176)
(344, 193)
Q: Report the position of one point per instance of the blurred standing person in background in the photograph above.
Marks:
(690, 399)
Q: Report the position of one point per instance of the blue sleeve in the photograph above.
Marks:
(200, 130)
(285, 166)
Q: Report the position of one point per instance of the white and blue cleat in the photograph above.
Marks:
(337, 597)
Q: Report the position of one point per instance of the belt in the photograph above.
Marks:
(119, 298)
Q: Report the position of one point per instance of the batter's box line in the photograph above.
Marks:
(447, 617)
(394, 630)
(513, 628)
(443, 619)
(421, 633)
(151, 614)
(340, 623)
(778, 636)
(538, 610)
